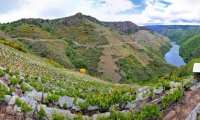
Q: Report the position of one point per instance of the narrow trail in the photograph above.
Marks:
(76, 43)
(107, 83)
(181, 109)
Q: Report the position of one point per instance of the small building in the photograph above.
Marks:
(196, 71)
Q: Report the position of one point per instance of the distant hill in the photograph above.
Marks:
(175, 32)
(190, 47)
(118, 51)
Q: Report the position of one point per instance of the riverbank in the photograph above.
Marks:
(173, 57)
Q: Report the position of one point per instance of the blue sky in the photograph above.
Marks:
(141, 12)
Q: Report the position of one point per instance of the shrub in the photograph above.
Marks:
(65, 105)
(41, 113)
(56, 116)
(25, 108)
(25, 88)
(2, 38)
(14, 45)
(2, 73)
(51, 98)
(79, 63)
(18, 102)
(54, 63)
(108, 79)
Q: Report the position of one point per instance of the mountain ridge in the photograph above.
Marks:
(145, 46)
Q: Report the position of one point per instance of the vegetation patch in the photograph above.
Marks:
(14, 45)
(135, 72)
(91, 56)
(83, 34)
(190, 48)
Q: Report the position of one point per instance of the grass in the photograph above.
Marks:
(53, 50)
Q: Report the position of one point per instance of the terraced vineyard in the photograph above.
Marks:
(36, 88)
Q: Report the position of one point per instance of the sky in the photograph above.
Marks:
(140, 12)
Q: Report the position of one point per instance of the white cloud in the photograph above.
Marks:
(178, 12)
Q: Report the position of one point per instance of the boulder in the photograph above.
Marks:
(38, 96)
(31, 93)
(8, 97)
(12, 100)
(142, 89)
(7, 76)
(33, 104)
(177, 84)
(159, 90)
(91, 108)
(49, 111)
(95, 116)
(105, 114)
(130, 106)
(17, 109)
(2, 68)
(143, 95)
(14, 94)
(66, 99)
(156, 101)
(77, 107)
(26, 99)
(195, 86)
(17, 85)
(44, 96)
(172, 84)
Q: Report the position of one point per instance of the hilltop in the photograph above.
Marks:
(175, 32)
(103, 47)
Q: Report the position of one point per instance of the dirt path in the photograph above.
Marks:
(181, 109)
(108, 83)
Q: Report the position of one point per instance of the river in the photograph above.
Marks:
(173, 57)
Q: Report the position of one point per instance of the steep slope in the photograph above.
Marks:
(102, 46)
(175, 32)
(190, 48)
(32, 88)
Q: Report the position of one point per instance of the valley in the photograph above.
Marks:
(173, 57)
(127, 76)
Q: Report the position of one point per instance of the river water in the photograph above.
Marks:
(173, 57)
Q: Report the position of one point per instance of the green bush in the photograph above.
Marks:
(2, 38)
(25, 108)
(25, 88)
(2, 73)
(41, 113)
(56, 116)
(51, 98)
(79, 63)
(108, 79)
(65, 105)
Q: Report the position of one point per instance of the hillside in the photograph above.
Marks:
(175, 32)
(190, 47)
(115, 51)
(39, 78)
(33, 88)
